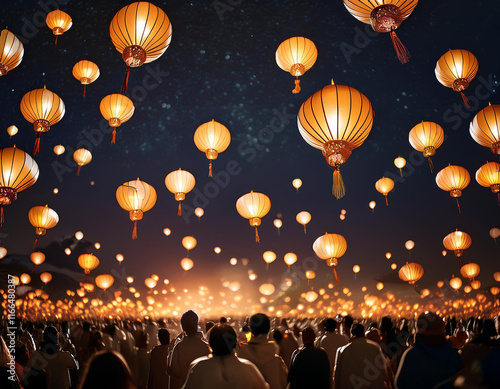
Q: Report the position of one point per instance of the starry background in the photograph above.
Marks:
(221, 65)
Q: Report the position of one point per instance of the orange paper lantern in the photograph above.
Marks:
(453, 179)
(59, 22)
(82, 157)
(212, 138)
(42, 218)
(254, 206)
(104, 281)
(485, 128)
(384, 186)
(426, 137)
(116, 109)
(86, 72)
(88, 262)
(330, 247)
(488, 176)
(180, 182)
(11, 51)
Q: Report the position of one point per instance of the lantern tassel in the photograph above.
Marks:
(179, 210)
(33, 269)
(1, 217)
(305, 231)
(257, 239)
(401, 172)
(84, 89)
(498, 197)
(465, 99)
(56, 39)
(36, 147)
(210, 169)
(336, 276)
(297, 86)
(401, 51)
(134, 231)
(338, 188)
(386, 200)
(34, 244)
(416, 288)
(431, 165)
(113, 136)
(78, 170)
(123, 89)
(458, 205)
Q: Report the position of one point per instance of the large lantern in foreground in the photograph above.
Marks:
(485, 128)
(180, 182)
(88, 262)
(11, 51)
(384, 186)
(141, 32)
(59, 22)
(457, 241)
(116, 109)
(253, 206)
(488, 176)
(18, 171)
(42, 218)
(136, 197)
(426, 137)
(296, 55)
(453, 179)
(384, 16)
(336, 119)
(104, 281)
(212, 138)
(86, 72)
(456, 69)
(43, 108)
(330, 247)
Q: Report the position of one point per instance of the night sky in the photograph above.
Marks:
(221, 65)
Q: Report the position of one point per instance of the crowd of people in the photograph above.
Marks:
(254, 353)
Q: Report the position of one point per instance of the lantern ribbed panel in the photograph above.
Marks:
(43, 217)
(411, 272)
(82, 157)
(384, 185)
(296, 51)
(104, 281)
(141, 24)
(362, 9)
(488, 174)
(253, 205)
(17, 169)
(42, 104)
(212, 135)
(180, 181)
(136, 195)
(88, 262)
(59, 19)
(11, 50)
(454, 65)
(87, 70)
(117, 106)
(426, 134)
(457, 240)
(453, 177)
(336, 112)
(485, 127)
(330, 246)
(470, 270)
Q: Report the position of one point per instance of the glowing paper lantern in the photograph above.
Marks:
(150, 283)
(167, 231)
(266, 289)
(384, 16)
(342, 217)
(59, 149)
(25, 278)
(12, 130)
(46, 277)
(310, 275)
(82, 157)
(59, 22)
(394, 266)
(199, 212)
(104, 281)
(254, 206)
(425, 293)
(86, 72)
(187, 264)
(384, 186)
(356, 269)
(78, 235)
(296, 55)
(411, 272)
(278, 223)
(388, 255)
(456, 69)
(42, 218)
(495, 233)
(116, 109)
(179, 182)
(217, 250)
(409, 244)
(130, 279)
(3, 252)
(269, 257)
(43, 108)
(426, 137)
(189, 242)
(303, 218)
(11, 52)
(18, 171)
(372, 204)
(475, 284)
(233, 261)
(467, 289)
(330, 247)
(311, 296)
(67, 251)
(488, 176)
(440, 284)
(37, 257)
(252, 276)
(455, 283)
(485, 128)
(379, 286)
(400, 163)
(290, 259)
(453, 179)
(494, 290)
(212, 138)
(297, 183)
(88, 262)
(97, 245)
(136, 197)
(120, 258)
(470, 270)
(457, 241)
(444, 252)
(336, 119)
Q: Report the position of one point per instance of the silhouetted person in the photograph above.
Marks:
(158, 377)
(107, 370)
(331, 341)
